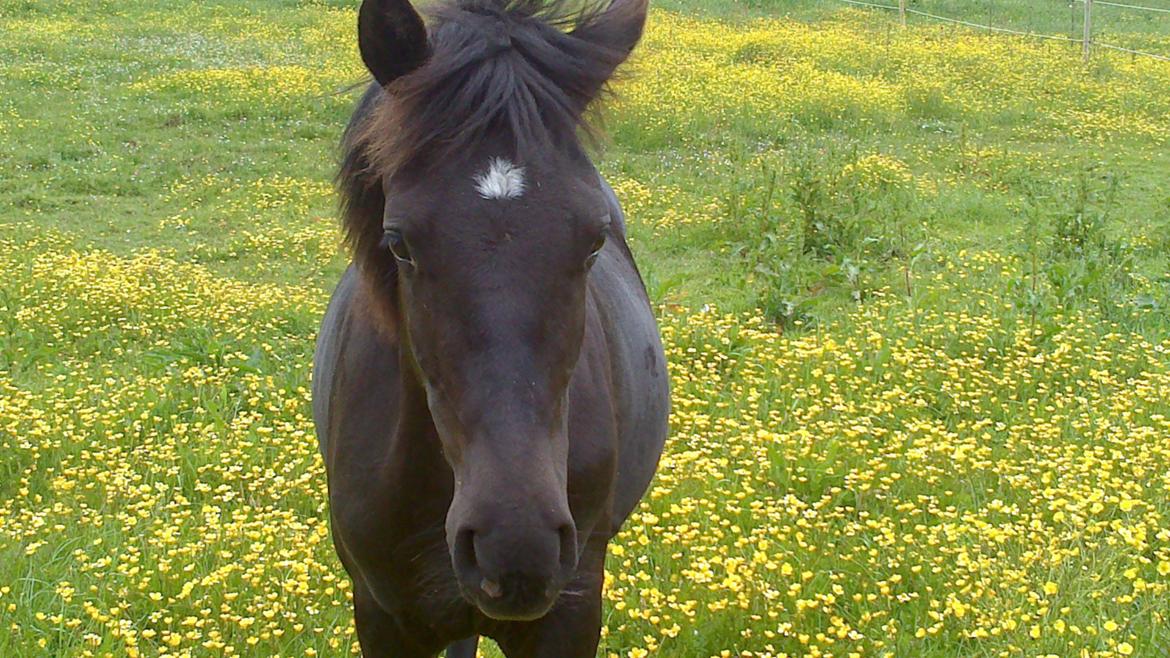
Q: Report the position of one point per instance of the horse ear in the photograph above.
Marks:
(392, 38)
(615, 30)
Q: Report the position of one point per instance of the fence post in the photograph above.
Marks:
(902, 11)
(1087, 40)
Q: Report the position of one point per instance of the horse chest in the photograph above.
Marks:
(391, 533)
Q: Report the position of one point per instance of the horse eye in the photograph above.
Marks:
(595, 250)
(392, 239)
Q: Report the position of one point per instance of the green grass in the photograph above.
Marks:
(914, 286)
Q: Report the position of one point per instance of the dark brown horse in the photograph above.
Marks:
(490, 390)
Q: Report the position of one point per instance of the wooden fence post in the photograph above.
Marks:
(1087, 40)
(902, 11)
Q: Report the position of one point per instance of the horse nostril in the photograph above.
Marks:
(491, 588)
(463, 556)
(568, 535)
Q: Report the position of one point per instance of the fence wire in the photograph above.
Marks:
(869, 4)
(1125, 6)
(948, 19)
(1036, 35)
(1131, 51)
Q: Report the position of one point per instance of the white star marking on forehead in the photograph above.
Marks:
(502, 180)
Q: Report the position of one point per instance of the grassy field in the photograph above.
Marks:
(914, 286)
(1052, 17)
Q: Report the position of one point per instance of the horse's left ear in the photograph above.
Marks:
(392, 38)
(616, 30)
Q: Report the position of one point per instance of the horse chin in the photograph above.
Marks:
(501, 611)
(515, 615)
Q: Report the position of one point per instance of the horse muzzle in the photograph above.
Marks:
(515, 573)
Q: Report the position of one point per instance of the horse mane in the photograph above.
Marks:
(361, 199)
(524, 69)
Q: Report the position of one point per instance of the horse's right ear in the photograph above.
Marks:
(391, 38)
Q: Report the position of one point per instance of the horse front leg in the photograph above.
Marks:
(572, 629)
(381, 635)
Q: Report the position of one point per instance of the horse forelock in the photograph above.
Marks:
(512, 68)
